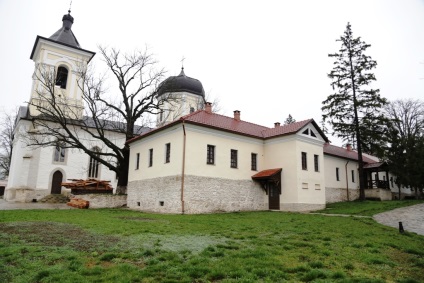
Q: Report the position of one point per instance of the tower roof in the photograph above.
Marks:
(65, 34)
(181, 83)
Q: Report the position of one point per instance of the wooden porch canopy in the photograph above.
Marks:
(268, 176)
(376, 182)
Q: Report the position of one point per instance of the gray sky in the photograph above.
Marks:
(267, 59)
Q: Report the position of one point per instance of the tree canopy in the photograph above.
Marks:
(354, 110)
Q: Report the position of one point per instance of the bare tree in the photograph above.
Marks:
(7, 127)
(65, 122)
(405, 153)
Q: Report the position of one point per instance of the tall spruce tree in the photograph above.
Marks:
(354, 110)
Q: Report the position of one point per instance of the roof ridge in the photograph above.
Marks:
(244, 121)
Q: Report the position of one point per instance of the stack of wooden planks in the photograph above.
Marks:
(90, 186)
(78, 203)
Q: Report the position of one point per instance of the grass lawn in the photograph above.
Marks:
(118, 245)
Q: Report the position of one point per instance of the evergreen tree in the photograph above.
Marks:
(354, 110)
(289, 120)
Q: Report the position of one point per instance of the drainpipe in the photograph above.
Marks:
(183, 170)
(347, 181)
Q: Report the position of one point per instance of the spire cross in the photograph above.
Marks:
(70, 5)
(182, 62)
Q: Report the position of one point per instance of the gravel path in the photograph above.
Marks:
(412, 218)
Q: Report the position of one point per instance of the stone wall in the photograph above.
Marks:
(24, 194)
(380, 194)
(339, 194)
(201, 195)
(104, 200)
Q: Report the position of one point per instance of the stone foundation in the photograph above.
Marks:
(24, 194)
(380, 194)
(340, 194)
(301, 207)
(104, 200)
(201, 195)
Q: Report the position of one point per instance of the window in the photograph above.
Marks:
(353, 176)
(62, 77)
(233, 158)
(316, 163)
(137, 161)
(391, 181)
(59, 153)
(306, 132)
(151, 157)
(210, 155)
(305, 186)
(167, 153)
(304, 163)
(313, 134)
(337, 174)
(93, 166)
(191, 109)
(254, 163)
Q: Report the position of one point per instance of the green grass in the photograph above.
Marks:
(116, 245)
(366, 208)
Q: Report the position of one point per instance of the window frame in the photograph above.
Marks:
(168, 152)
(210, 154)
(337, 173)
(316, 162)
(150, 157)
(137, 161)
(234, 158)
(59, 154)
(61, 79)
(353, 176)
(94, 165)
(304, 158)
(254, 161)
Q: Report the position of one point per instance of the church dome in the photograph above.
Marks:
(181, 83)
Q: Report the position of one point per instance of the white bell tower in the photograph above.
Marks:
(58, 61)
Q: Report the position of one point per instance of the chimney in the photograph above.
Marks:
(276, 124)
(208, 107)
(349, 147)
(237, 115)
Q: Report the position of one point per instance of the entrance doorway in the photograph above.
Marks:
(57, 182)
(273, 196)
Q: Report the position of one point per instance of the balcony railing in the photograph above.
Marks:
(377, 184)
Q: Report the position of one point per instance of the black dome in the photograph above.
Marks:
(181, 83)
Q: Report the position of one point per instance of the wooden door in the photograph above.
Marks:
(57, 183)
(273, 196)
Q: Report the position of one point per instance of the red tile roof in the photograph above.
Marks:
(266, 173)
(229, 124)
(344, 153)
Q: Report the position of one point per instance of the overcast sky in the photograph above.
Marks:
(267, 59)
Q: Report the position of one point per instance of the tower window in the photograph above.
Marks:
(59, 153)
(62, 77)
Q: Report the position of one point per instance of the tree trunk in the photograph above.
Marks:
(121, 188)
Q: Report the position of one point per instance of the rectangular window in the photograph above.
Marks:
(337, 174)
(167, 153)
(233, 158)
(137, 161)
(151, 157)
(210, 155)
(305, 186)
(254, 163)
(304, 162)
(353, 176)
(59, 154)
(316, 163)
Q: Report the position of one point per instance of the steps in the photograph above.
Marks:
(56, 198)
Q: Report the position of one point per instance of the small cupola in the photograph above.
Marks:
(67, 20)
(181, 83)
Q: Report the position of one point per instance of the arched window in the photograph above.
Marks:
(93, 166)
(62, 77)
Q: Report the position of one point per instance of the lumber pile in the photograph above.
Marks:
(78, 203)
(90, 186)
